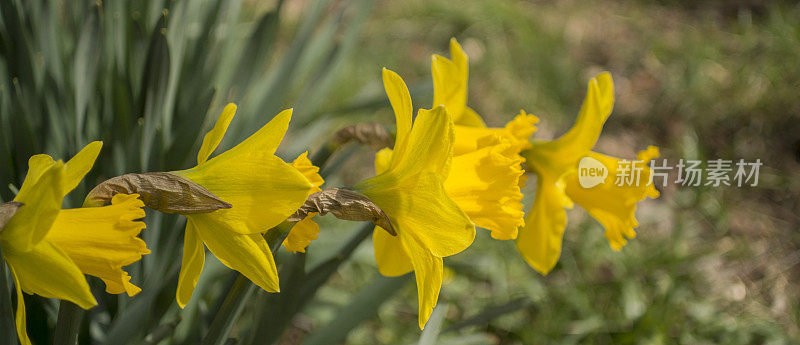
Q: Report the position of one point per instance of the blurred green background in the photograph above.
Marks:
(701, 80)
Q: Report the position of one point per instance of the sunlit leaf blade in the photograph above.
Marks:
(156, 79)
(8, 331)
(364, 305)
(268, 326)
(430, 334)
(490, 313)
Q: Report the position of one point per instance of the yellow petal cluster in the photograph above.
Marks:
(429, 224)
(263, 191)
(487, 166)
(49, 250)
(555, 164)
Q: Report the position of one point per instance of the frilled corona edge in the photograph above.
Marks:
(161, 191)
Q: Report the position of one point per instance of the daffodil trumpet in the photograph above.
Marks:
(49, 250)
(486, 172)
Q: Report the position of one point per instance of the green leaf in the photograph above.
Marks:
(490, 313)
(230, 311)
(156, 79)
(84, 69)
(8, 331)
(270, 325)
(431, 332)
(239, 294)
(69, 321)
(364, 305)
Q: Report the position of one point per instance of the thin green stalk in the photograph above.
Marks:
(363, 305)
(286, 306)
(238, 296)
(68, 325)
(230, 311)
(7, 326)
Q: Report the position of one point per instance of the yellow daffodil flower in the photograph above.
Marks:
(555, 164)
(263, 191)
(410, 189)
(611, 204)
(487, 169)
(49, 249)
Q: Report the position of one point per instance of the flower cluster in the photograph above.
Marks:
(446, 174)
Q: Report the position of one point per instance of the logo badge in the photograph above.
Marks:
(591, 172)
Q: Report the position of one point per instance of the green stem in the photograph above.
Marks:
(7, 326)
(276, 315)
(230, 311)
(69, 322)
(237, 297)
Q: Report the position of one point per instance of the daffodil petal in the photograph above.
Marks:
(247, 253)
(41, 203)
(595, 110)
(428, 271)
(471, 139)
(263, 189)
(212, 139)
(485, 184)
(101, 240)
(516, 131)
(564, 153)
(37, 165)
(540, 241)
(428, 215)
(430, 145)
(450, 83)
(411, 192)
(613, 205)
(469, 117)
(194, 257)
(20, 319)
(390, 254)
(47, 271)
(309, 170)
(266, 139)
(400, 99)
(383, 160)
(301, 234)
(79, 165)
